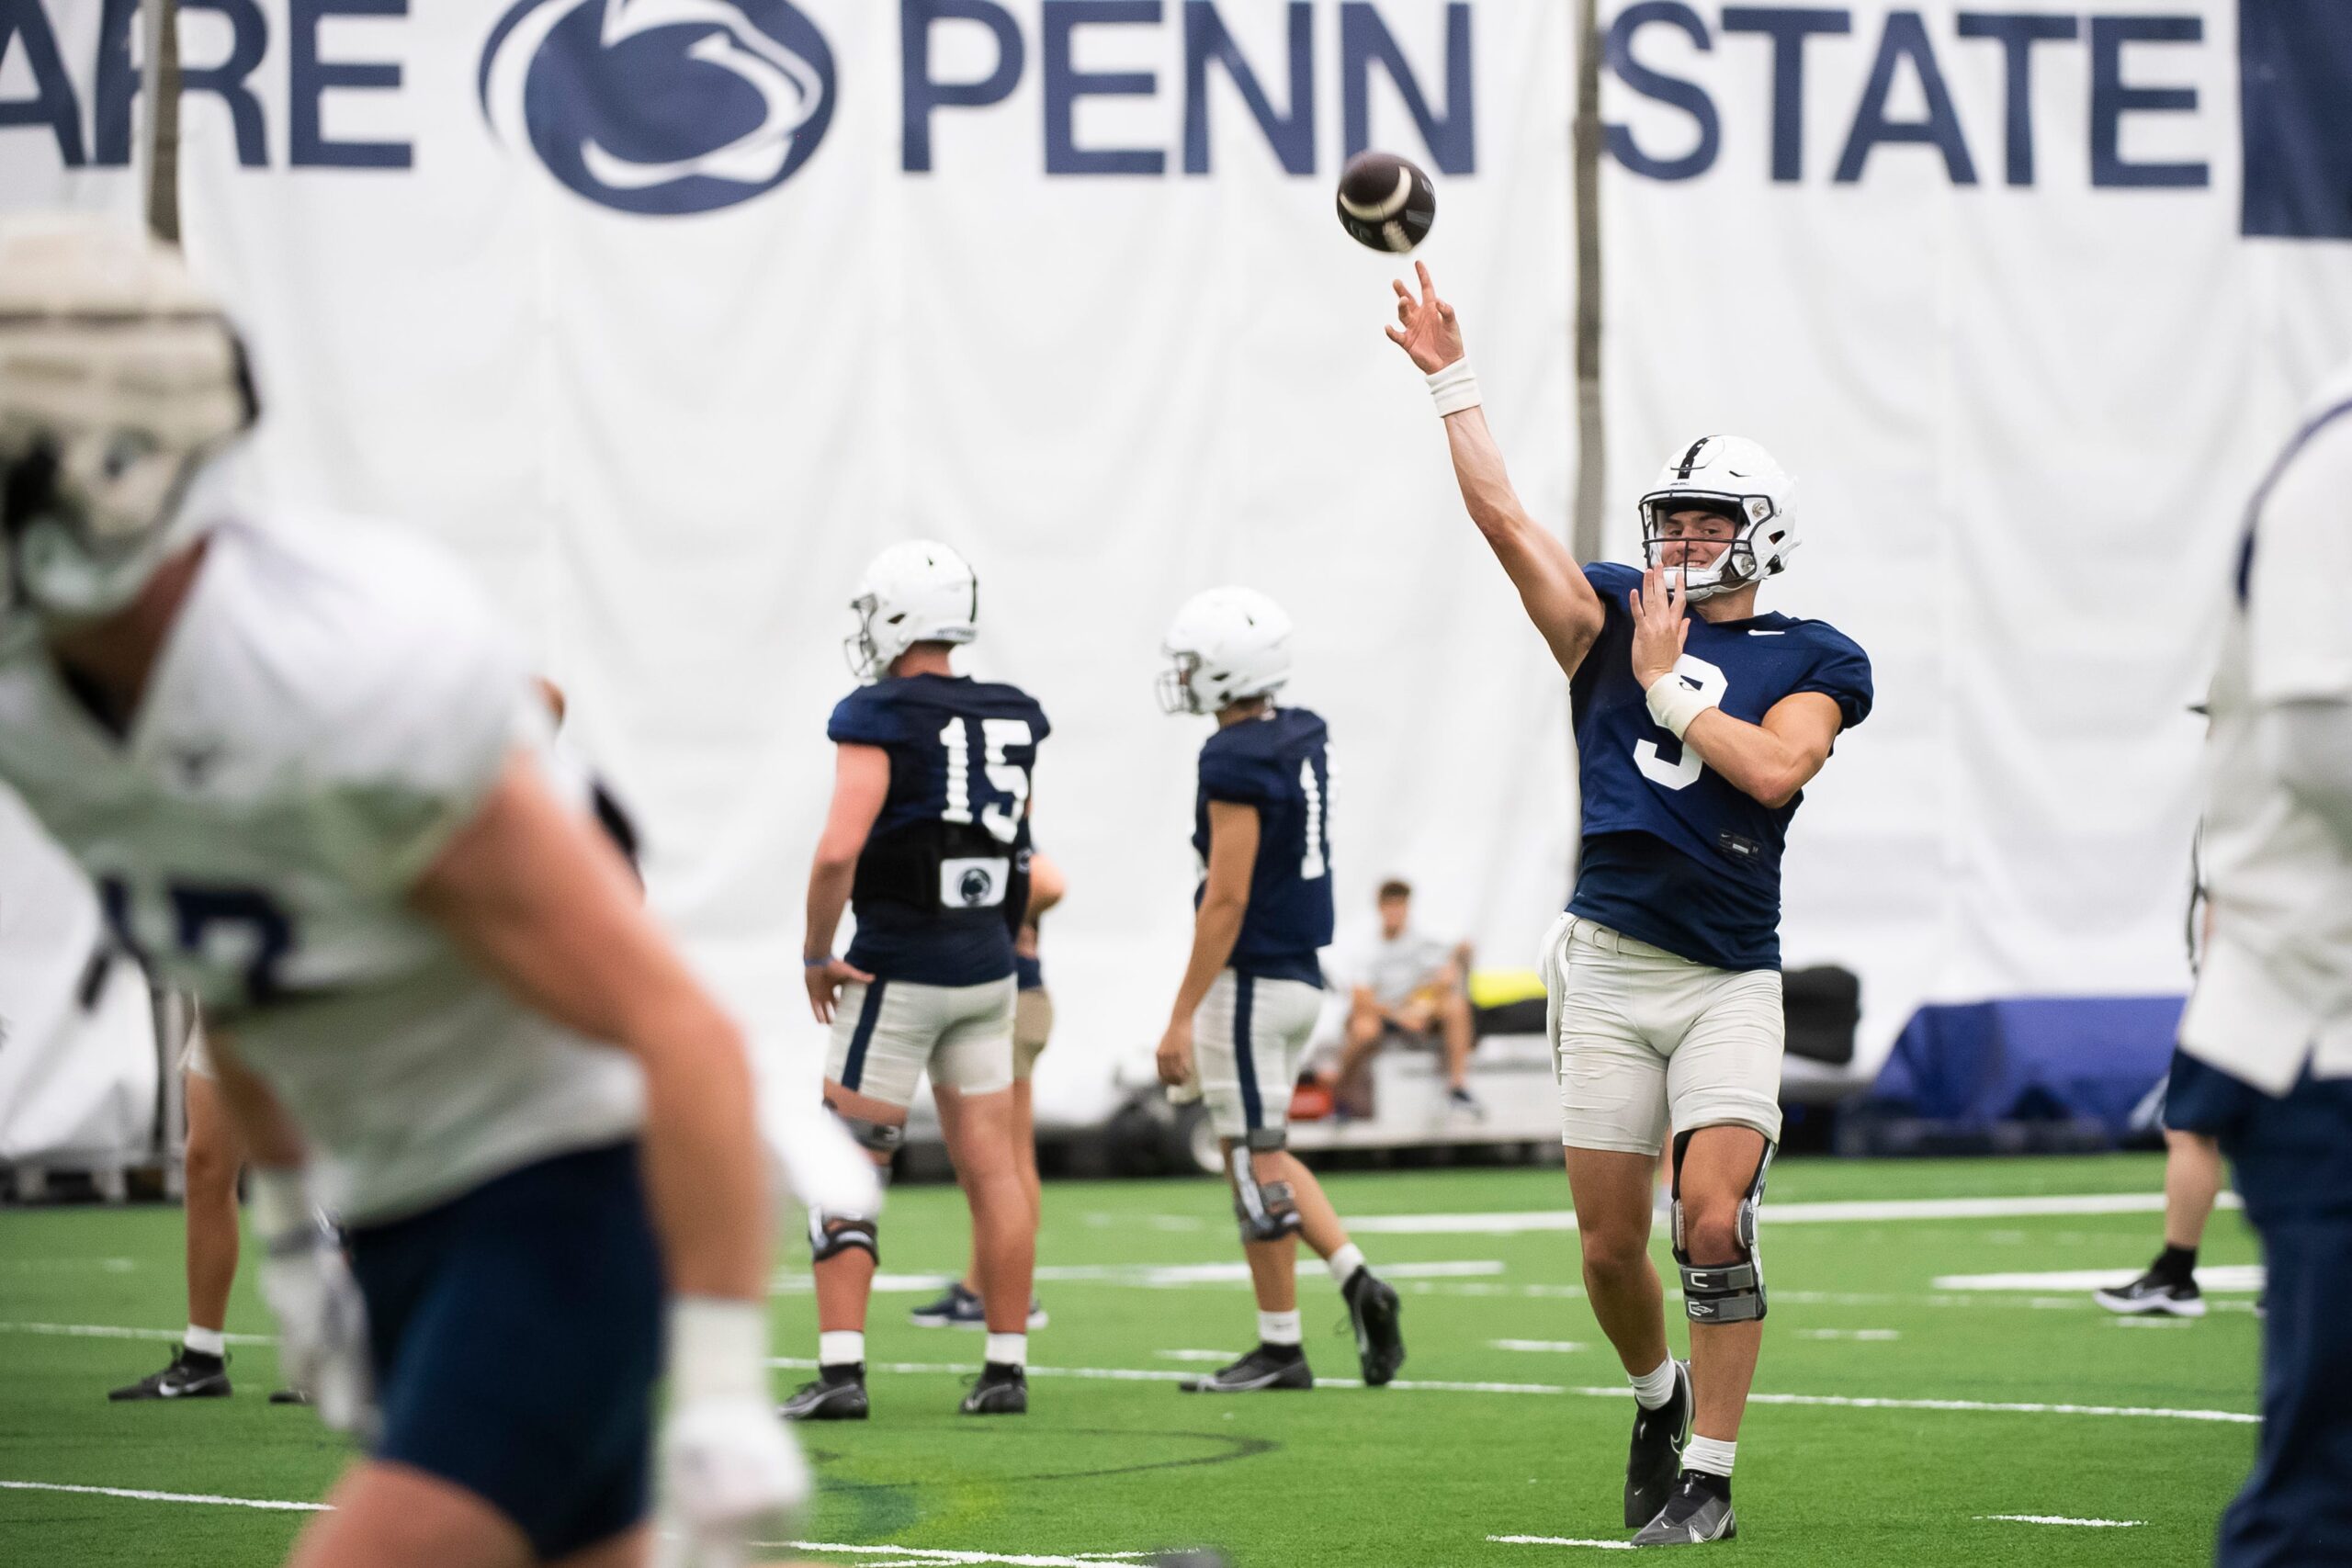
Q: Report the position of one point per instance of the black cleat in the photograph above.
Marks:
(2155, 1295)
(837, 1394)
(1268, 1367)
(191, 1375)
(1000, 1390)
(1697, 1511)
(1373, 1312)
(1659, 1437)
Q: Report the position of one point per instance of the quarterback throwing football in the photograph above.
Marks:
(1698, 724)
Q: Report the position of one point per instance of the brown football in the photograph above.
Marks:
(1386, 201)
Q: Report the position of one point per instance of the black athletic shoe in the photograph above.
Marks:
(289, 1396)
(1697, 1511)
(1267, 1367)
(191, 1375)
(1373, 1312)
(837, 1394)
(2155, 1295)
(1000, 1390)
(1659, 1437)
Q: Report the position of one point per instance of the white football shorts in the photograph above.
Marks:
(1643, 1040)
(889, 1032)
(1248, 1038)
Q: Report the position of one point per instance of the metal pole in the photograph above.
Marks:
(1584, 535)
(159, 71)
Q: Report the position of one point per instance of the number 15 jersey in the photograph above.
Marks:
(938, 867)
(1675, 854)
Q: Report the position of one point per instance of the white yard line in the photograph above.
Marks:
(1146, 1276)
(1195, 1355)
(922, 1555)
(106, 1331)
(2237, 1279)
(1410, 1385)
(139, 1494)
(1868, 1336)
(1843, 1212)
(2062, 1519)
(1560, 1540)
(1560, 1347)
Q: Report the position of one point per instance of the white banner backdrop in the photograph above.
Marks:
(1025, 326)
(2027, 369)
(669, 315)
(78, 1044)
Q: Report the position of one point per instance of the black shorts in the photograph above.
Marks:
(516, 1337)
(2200, 1098)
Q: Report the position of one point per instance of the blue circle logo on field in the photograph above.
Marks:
(660, 106)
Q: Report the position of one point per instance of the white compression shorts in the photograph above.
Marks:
(1247, 1040)
(1644, 1039)
(887, 1033)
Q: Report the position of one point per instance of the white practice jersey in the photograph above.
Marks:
(2275, 991)
(333, 703)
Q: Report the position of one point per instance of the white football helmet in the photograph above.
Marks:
(918, 591)
(1736, 478)
(119, 378)
(1225, 645)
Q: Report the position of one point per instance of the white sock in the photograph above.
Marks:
(840, 1347)
(206, 1341)
(1278, 1329)
(1008, 1349)
(1344, 1263)
(1653, 1388)
(1711, 1455)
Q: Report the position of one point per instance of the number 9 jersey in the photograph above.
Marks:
(1674, 854)
(939, 866)
(332, 702)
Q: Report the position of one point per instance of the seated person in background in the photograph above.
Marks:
(1407, 983)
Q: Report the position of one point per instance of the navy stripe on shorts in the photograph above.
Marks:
(1253, 1114)
(853, 1066)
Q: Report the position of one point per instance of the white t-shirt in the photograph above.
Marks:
(332, 704)
(1393, 969)
(2275, 991)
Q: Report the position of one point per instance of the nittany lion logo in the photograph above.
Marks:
(975, 886)
(660, 106)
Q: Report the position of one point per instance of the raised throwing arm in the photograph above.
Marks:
(1551, 585)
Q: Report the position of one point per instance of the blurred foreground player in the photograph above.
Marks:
(1254, 985)
(928, 826)
(959, 1305)
(1695, 738)
(2272, 1013)
(298, 757)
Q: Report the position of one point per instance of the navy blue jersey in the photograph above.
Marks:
(1674, 855)
(1281, 764)
(939, 866)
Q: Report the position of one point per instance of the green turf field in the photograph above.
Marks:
(1509, 1419)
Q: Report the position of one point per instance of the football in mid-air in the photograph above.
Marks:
(1386, 201)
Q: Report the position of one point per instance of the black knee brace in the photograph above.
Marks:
(1732, 1292)
(831, 1235)
(1268, 1211)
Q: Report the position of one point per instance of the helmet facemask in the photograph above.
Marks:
(1177, 692)
(104, 421)
(1737, 565)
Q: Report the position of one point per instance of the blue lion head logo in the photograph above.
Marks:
(660, 106)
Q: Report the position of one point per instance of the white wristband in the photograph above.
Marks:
(1455, 388)
(719, 1348)
(1674, 703)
